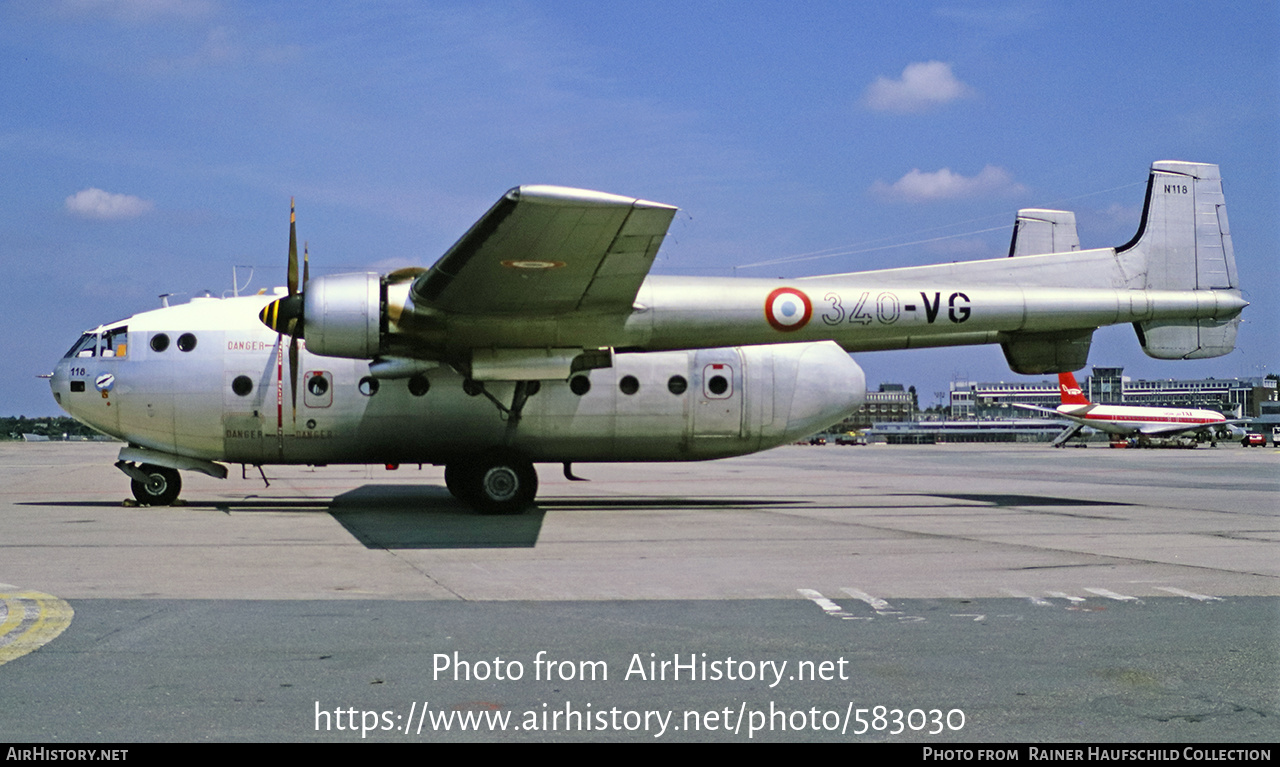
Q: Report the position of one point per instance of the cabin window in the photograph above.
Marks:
(579, 385)
(242, 385)
(368, 386)
(319, 389)
(629, 385)
(186, 342)
(717, 381)
(419, 385)
(317, 384)
(115, 342)
(87, 346)
(677, 385)
(159, 342)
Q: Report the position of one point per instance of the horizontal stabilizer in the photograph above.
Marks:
(1190, 340)
(1040, 353)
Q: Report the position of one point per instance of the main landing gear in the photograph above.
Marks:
(160, 487)
(498, 481)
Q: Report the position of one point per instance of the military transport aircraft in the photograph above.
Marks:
(1143, 422)
(540, 337)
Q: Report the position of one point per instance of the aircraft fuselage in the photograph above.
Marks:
(207, 381)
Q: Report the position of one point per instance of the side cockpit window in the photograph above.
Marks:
(87, 346)
(115, 342)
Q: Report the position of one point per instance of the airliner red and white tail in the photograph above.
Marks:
(1071, 392)
(1129, 420)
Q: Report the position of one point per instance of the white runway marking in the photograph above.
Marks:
(1189, 594)
(877, 604)
(1068, 597)
(828, 607)
(1111, 594)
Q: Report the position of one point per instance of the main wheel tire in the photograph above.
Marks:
(458, 478)
(161, 488)
(501, 482)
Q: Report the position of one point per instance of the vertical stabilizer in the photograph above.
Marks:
(1185, 243)
(1184, 233)
(1071, 392)
(1037, 231)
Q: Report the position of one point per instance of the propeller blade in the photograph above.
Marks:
(293, 250)
(284, 315)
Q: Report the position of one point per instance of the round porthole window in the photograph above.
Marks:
(718, 385)
(629, 385)
(677, 385)
(579, 385)
(242, 385)
(186, 342)
(368, 386)
(159, 342)
(419, 385)
(317, 385)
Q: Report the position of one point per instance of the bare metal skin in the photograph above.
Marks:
(540, 337)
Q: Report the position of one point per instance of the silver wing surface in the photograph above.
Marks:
(545, 251)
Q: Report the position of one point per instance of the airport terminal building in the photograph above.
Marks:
(1233, 397)
(986, 412)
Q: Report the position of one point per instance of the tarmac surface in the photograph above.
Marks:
(1011, 593)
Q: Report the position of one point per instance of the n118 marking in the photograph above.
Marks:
(888, 308)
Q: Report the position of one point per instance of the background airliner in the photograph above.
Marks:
(1130, 420)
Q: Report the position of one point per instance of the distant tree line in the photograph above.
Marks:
(13, 427)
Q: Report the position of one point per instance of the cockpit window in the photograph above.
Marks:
(87, 346)
(115, 342)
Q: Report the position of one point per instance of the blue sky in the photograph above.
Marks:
(148, 146)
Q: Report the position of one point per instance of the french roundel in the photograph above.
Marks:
(787, 309)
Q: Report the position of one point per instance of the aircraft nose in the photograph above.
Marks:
(57, 384)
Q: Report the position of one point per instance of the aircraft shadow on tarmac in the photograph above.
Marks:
(428, 517)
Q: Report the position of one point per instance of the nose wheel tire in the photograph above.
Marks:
(161, 488)
(499, 482)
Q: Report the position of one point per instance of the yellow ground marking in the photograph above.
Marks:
(30, 621)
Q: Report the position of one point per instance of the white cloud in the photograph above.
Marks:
(105, 206)
(923, 86)
(918, 186)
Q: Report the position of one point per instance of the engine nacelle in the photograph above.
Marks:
(344, 315)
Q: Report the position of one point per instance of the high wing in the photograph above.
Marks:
(548, 250)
